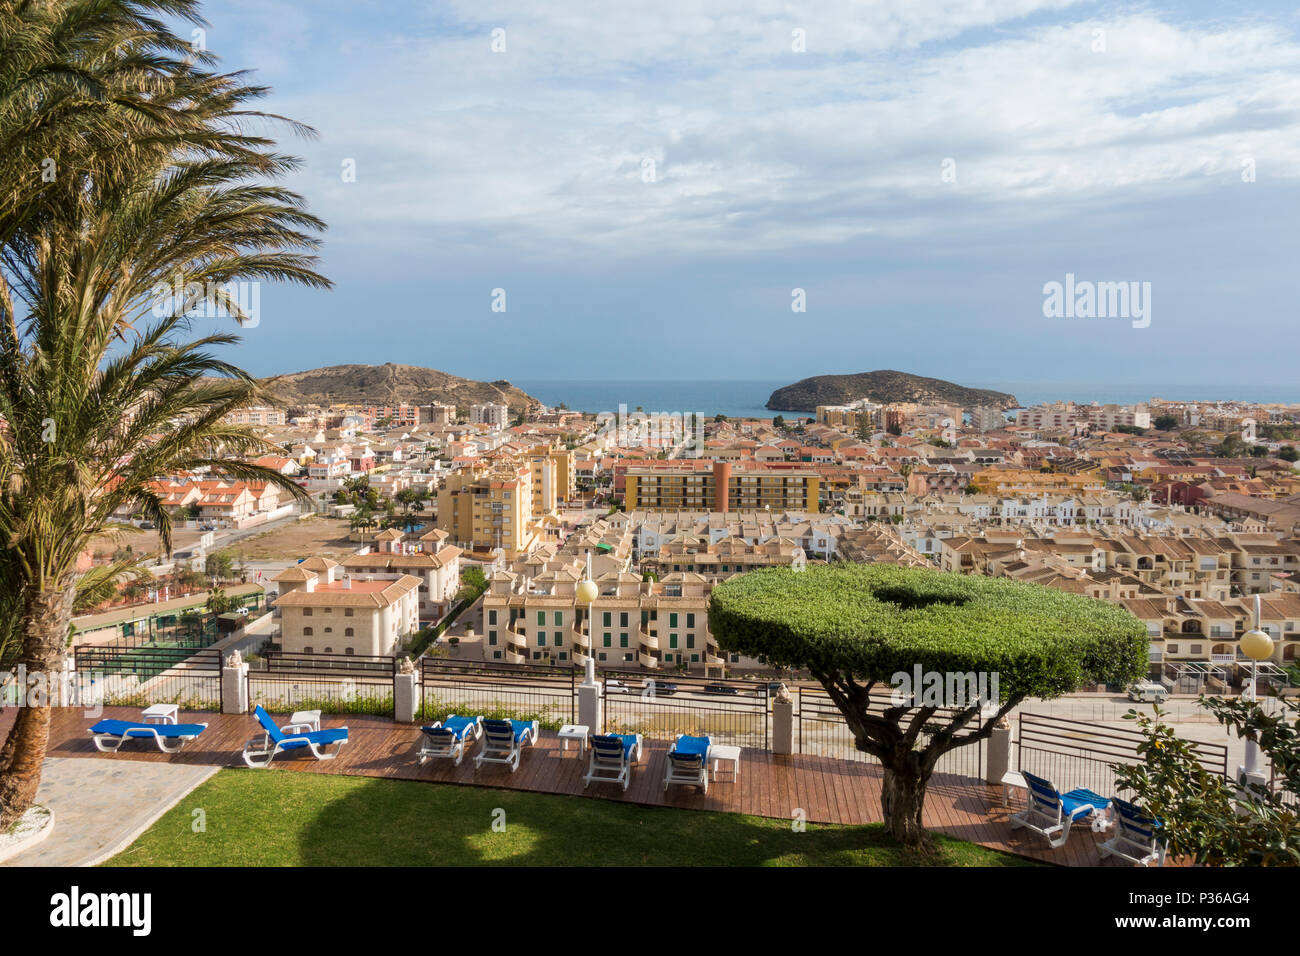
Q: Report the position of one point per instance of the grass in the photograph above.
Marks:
(283, 818)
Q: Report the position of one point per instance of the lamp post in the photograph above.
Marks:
(1258, 646)
(586, 594)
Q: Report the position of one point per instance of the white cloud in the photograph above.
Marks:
(539, 149)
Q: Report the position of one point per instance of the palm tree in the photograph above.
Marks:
(100, 397)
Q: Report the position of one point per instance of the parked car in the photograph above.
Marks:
(720, 689)
(1148, 692)
(662, 688)
(616, 687)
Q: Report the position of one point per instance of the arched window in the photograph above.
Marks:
(306, 650)
(350, 650)
(306, 632)
(329, 650)
(347, 632)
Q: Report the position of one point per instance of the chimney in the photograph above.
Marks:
(347, 582)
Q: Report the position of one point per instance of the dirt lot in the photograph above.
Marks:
(327, 537)
(140, 540)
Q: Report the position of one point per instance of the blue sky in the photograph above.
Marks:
(1107, 140)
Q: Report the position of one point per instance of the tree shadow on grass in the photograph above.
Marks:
(399, 823)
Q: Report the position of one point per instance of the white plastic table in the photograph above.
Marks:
(1010, 779)
(301, 720)
(724, 752)
(160, 714)
(576, 732)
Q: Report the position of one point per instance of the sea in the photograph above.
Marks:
(746, 398)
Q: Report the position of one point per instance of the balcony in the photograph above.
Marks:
(579, 640)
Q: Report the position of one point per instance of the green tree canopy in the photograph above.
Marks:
(855, 627)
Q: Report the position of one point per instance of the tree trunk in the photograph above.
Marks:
(902, 797)
(46, 615)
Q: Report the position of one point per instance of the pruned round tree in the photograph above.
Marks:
(857, 627)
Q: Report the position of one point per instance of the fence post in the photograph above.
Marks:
(999, 761)
(783, 723)
(406, 692)
(589, 700)
(234, 685)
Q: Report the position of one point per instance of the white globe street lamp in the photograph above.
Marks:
(1258, 646)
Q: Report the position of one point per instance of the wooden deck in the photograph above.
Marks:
(826, 789)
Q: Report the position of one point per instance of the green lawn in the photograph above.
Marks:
(277, 818)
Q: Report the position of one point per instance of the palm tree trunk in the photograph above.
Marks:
(46, 616)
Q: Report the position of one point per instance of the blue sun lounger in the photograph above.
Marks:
(1137, 836)
(1051, 814)
(612, 756)
(688, 763)
(260, 751)
(109, 735)
(447, 738)
(504, 741)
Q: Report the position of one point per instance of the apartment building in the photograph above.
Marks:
(400, 415)
(661, 625)
(489, 506)
(492, 415)
(322, 611)
(554, 477)
(439, 416)
(429, 558)
(985, 418)
(724, 487)
(256, 415)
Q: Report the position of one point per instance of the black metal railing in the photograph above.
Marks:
(137, 676)
(547, 694)
(823, 731)
(734, 712)
(1071, 753)
(331, 683)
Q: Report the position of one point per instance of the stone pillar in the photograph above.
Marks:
(999, 753)
(782, 726)
(406, 697)
(589, 700)
(234, 685)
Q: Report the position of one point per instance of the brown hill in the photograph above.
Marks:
(390, 383)
(885, 386)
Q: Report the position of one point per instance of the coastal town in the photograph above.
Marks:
(1181, 512)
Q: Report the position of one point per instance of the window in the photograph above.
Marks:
(306, 650)
(607, 618)
(622, 619)
(672, 619)
(690, 640)
(492, 617)
(492, 637)
(349, 650)
(306, 612)
(541, 618)
(541, 638)
(329, 630)
(306, 632)
(348, 632)
(622, 642)
(690, 620)
(558, 619)
(672, 640)
(329, 650)
(347, 612)
(607, 641)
